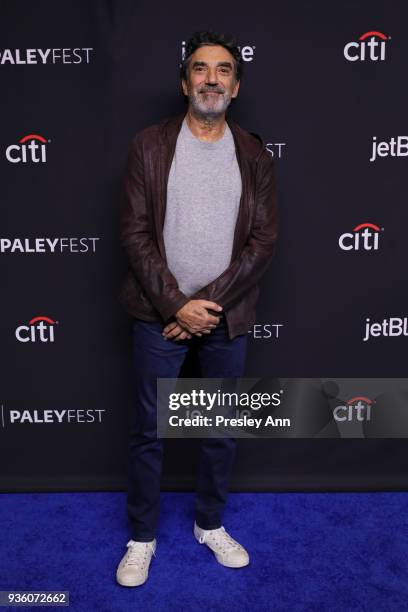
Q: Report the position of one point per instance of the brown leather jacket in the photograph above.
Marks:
(150, 291)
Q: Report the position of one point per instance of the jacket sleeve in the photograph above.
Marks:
(143, 255)
(250, 265)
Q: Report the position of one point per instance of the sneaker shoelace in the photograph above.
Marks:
(221, 538)
(138, 553)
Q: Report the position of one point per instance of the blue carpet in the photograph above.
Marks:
(308, 551)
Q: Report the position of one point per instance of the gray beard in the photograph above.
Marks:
(201, 111)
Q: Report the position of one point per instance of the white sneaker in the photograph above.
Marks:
(227, 551)
(133, 569)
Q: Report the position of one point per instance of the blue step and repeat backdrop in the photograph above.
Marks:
(325, 86)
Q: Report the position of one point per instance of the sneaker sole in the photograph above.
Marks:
(233, 565)
(129, 584)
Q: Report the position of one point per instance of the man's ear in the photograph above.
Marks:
(184, 87)
(236, 89)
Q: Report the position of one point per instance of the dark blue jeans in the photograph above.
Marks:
(155, 357)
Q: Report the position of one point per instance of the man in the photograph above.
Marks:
(199, 226)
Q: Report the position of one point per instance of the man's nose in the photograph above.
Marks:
(212, 78)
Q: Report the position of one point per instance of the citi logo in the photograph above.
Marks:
(31, 148)
(370, 46)
(357, 409)
(364, 237)
(39, 329)
(247, 52)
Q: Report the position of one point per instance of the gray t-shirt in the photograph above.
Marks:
(203, 195)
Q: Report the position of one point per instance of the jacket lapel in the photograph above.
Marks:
(169, 131)
(246, 165)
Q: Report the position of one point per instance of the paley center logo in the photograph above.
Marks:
(38, 329)
(30, 148)
(391, 327)
(396, 147)
(247, 51)
(27, 57)
(364, 237)
(370, 46)
(356, 409)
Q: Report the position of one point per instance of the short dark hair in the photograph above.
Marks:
(209, 37)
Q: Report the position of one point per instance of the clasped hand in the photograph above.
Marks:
(192, 319)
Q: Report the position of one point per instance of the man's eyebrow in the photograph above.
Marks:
(201, 63)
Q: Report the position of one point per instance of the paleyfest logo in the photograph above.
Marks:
(30, 148)
(27, 57)
(356, 409)
(43, 416)
(370, 46)
(275, 148)
(265, 331)
(48, 245)
(364, 237)
(38, 329)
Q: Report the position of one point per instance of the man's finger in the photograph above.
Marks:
(211, 319)
(174, 332)
(182, 336)
(212, 305)
(169, 327)
(203, 331)
(186, 327)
